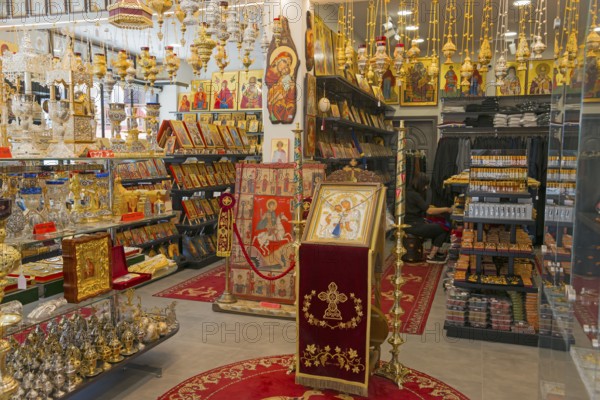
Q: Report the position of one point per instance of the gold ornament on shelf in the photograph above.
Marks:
(130, 14)
(484, 55)
(160, 7)
(449, 48)
(172, 63)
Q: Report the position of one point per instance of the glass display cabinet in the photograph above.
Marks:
(570, 359)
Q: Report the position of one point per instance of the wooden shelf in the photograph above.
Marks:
(342, 88)
(362, 127)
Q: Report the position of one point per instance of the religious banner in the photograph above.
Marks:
(334, 318)
(280, 77)
(263, 215)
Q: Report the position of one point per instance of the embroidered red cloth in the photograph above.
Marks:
(333, 318)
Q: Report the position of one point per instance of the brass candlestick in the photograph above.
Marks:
(394, 370)
(227, 297)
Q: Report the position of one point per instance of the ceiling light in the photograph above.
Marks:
(412, 28)
(405, 12)
(597, 29)
(510, 34)
(174, 45)
(419, 40)
(521, 3)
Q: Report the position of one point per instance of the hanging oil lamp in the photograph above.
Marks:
(153, 71)
(120, 64)
(466, 71)
(539, 46)
(433, 69)
(194, 61)
(449, 48)
(414, 51)
(171, 62)
(399, 59)
(484, 55)
(99, 66)
(362, 59)
(500, 69)
(523, 52)
(180, 15)
(380, 61)
(160, 7)
(130, 72)
(204, 46)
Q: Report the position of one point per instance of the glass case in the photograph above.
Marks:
(570, 358)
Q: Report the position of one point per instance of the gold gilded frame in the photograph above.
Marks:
(87, 266)
(365, 198)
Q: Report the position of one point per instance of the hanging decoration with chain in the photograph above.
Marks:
(523, 51)
(449, 47)
(433, 40)
(501, 49)
(484, 56)
(466, 69)
(540, 33)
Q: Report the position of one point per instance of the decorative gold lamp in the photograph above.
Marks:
(204, 45)
(180, 15)
(523, 51)
(340, 55)
(381, 61)
(433, 40)
(130, 14)
(160, 7)
(449, 48)
(466, 69)
(540, 33)
(501, 49)
(484, 55)
(172, 62)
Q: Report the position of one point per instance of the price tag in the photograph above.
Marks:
(21, 282)
(134, 216)
(46, 227)
(5, 152)
(266, 304)
(100, 154)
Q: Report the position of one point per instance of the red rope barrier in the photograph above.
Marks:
(269, 278)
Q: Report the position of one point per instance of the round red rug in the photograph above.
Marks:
(267, 379)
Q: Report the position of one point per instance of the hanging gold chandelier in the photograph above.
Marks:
(130, 14)
(540, 31)
(523, 51)
(466, 69)
(160, 7)
(501, 49)
(449, 48)
(433, 40)
(484, 55)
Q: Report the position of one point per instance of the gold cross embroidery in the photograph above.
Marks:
(333, 297)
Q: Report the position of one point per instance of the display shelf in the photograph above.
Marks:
(589, 220)
(502, 195)
(499, 130)
(587, 373)
(203, 262)
(178, 157)
(341, 87)
(557, 257)
(41, 256)
(485, 286)
(499, 221)
(85, 229)
(559, 224)
(335, 160)
(219, 188)
(132, 157)
(155, 242)
(545, 97)
(457, 217)
(118, 367)
(363, 128)
(183, 227)
(490, 335)
(497, 253)
(145, 180)
(25, 296)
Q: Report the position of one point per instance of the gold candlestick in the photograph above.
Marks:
(394, 370)
(227, 297)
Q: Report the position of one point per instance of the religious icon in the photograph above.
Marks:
(310, 89)
(310, 42)
(281, 81)
(539, 77)
(420, 89)
(251, 90)
(343, 213)
(310, 136)
(280, 150)
(184, 104)
(389, 88)
(224, 91)
(449, 82)
(200, 95)
(272, 227)
(511, 85)
(323, 53)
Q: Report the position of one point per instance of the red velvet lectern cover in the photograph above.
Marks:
(334, 288)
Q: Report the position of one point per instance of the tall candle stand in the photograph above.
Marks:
(394, 370)
(227, 297)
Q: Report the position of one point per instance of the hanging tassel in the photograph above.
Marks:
(225, 225)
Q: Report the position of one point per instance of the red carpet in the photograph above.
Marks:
(418, 291)
(267, 379)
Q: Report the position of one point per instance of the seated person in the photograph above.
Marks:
(416, 210)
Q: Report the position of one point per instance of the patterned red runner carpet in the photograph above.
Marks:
(267, 379)
(418, 291)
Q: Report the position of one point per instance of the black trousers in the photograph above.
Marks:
(429, 231)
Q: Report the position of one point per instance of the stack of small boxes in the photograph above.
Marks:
(478, 311)
(531, 310)
(500, 310)
(456, 307)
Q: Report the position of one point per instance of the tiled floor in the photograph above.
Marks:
(206, 340)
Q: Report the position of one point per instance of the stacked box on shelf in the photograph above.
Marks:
(531, 310)
(456, 307)
(500, 313)
(545, 327)
(478, 311)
